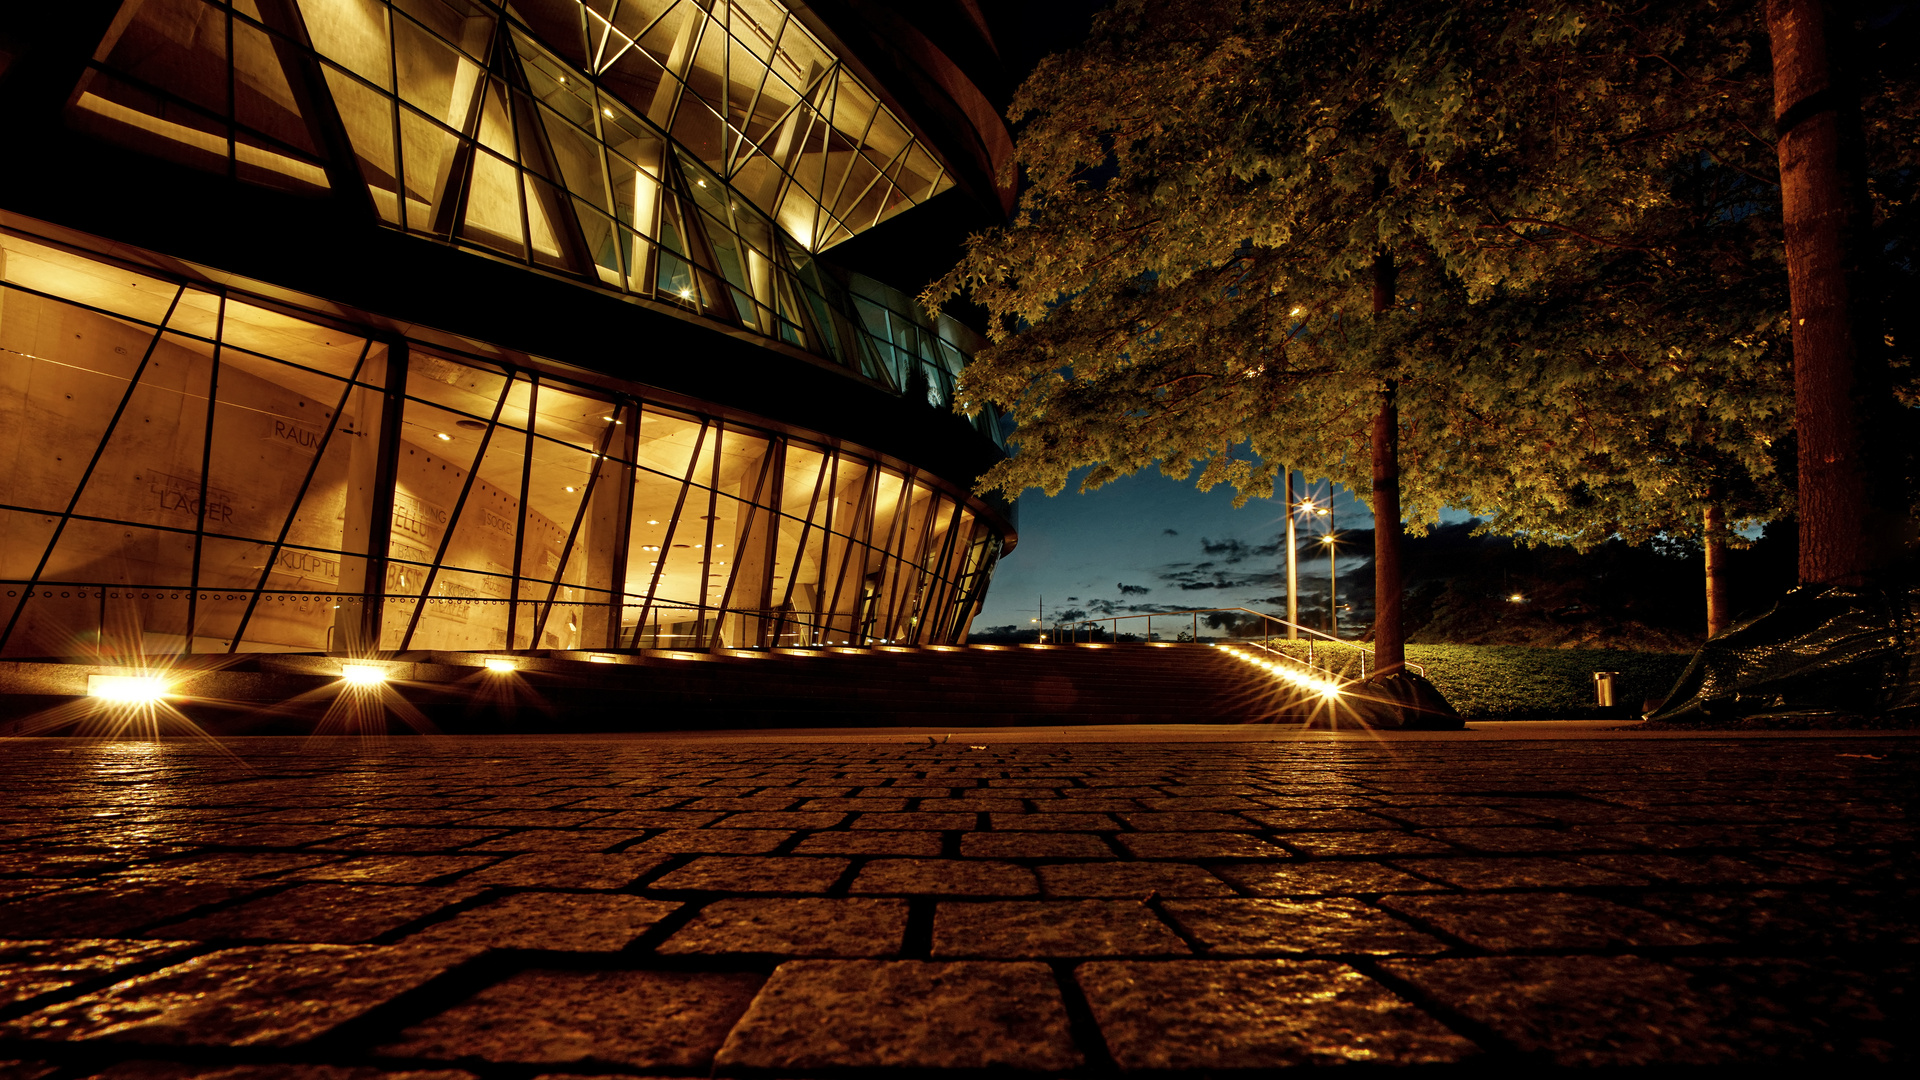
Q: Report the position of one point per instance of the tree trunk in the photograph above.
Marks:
(1714, 540)
(1823, 211)
(1389, 639)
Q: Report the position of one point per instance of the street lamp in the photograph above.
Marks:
(1330, 542)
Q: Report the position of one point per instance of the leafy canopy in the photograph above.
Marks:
(1586, 306)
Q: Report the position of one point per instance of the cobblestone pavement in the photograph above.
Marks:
(515, 908)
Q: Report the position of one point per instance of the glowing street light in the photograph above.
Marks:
(1516, 598)
(127, 689)
(363, 674)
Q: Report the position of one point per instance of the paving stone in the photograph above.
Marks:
(1257, 1014)
(636, 1019)
(780, 821)
(1507, 921)
(1364, 843)
(1052, 928)
(264, 995)
(819, 1014)
(109, 909)
(842, 842)
(29, 969)
(658, 819)
(739, 804)
(331, 914)
(977, 805)
(1051, 822)
(1289, 927)
(1322, 879)
(539, 819)
(1331, 820)
(1583, 1010)
(717, 841)
(916, 820)
(1858, 918)
(1518, 873)
(392, 869)
(719, 873)
(1706, 869)
(173, 1070)
(585, 840)
(1130, 880)
(1202, 845)
(409, 840)
(547, 870)
(1682, 837)
(936, 877)
(1026, 845)
(1438, 816)
(560, 922)
(850, 805)
(1189, 822)
(1520, 839)
(808, 927)
(225, 866)
(1209, 802)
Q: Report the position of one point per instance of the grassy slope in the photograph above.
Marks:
(1492, 682)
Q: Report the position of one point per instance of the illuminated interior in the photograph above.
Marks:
(187, 468)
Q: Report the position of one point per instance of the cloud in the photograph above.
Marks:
(1232, 551)
(1132, 590)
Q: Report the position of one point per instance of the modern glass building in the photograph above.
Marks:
(348, 325)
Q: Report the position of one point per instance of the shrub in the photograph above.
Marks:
(1512, 682)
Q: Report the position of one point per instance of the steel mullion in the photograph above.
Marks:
(899, 559)
(893, 527)
(673, 526)
(306, 482)
(826, 545)
(753, 509)
(800, 549)
(846, 557)
(520, 515)
(573, 534)
(919, 561)
(453, 522)
(80, 486)
(713, 509)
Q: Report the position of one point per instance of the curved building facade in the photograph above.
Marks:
(355, 325)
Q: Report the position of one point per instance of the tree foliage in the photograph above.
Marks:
(1589, 306)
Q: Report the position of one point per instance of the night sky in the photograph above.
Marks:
(1187, 549)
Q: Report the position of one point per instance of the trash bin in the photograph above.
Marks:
(1603, 688)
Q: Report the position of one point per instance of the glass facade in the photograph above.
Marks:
(691, 153)
(185, 467)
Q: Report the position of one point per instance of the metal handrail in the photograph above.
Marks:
(1366, 653)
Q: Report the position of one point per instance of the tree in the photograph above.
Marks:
(1255, 234)
(1851, 498)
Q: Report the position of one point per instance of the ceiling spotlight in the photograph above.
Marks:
(607, 111)
(363, 674)
(570, 487)
(651, 521)
(501, 664)
(443, 436)
(127, 689)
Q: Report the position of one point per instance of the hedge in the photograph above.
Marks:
(1512, 682)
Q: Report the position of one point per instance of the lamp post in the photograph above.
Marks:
(1331, 542)
(1327, 540)
(1293, 567)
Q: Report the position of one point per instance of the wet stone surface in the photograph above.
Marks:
(472, 909)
